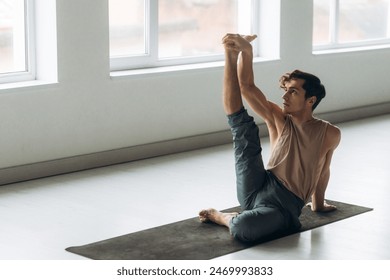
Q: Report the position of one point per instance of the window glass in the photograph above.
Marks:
(153, 33)
(12, 36)
(194, 27)
(127, 27)
(338, 23)
(363, 20)
(321, 23)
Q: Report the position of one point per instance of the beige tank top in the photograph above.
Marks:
(295, 158)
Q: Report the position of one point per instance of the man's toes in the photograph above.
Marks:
(203, 219)
(250, 38)
(203, 216)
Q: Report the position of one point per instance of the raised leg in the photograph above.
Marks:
(232, 100)
(249, 165)
(250, 171)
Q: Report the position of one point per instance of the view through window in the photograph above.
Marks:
(12, 36)
(154, 32)
(340, 23)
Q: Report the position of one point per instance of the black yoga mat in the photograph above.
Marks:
(192, 240)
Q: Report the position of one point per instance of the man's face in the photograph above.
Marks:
(294, 100)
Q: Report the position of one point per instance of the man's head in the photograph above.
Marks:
(312, 85)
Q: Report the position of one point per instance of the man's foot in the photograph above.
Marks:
(215, 216)
(237, 42)
(249, 38)
(325, 208)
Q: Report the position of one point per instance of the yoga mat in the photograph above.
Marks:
(192, 240)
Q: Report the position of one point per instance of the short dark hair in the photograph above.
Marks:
(312, 85)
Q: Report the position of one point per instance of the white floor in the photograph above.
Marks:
(40, 218)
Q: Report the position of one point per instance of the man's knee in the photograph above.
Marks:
(254, 225)
(245, 229)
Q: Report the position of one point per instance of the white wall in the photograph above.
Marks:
(87, 111)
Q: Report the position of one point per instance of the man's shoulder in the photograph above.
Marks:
(333, 129)
(333, 135)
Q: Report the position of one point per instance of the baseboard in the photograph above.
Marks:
(357, 113)
(117, 156)
(111, 157)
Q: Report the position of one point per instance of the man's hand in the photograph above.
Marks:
(237, 42)
(325, 208)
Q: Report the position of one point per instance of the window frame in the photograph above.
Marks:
(334, 44)
(30, 58)
(151, 59)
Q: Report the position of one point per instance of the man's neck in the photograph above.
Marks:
(301, 118)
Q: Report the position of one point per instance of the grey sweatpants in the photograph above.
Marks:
(267, 206)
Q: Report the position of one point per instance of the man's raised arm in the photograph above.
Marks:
(251, 93)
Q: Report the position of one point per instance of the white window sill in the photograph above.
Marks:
(336, 50)
(25, 84)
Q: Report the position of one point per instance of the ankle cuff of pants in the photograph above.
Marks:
(239, 117)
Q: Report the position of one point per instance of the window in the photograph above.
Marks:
(151, 33)
(350, 23)
(16, 47)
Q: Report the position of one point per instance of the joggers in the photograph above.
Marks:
(267, 206)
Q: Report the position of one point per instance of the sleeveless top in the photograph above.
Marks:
(295, 158)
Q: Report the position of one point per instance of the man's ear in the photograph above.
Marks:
(312, 100)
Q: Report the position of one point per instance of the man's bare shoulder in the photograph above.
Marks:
(275, 106)
(275, 123)
(277, 112)
(278, 118)
(333, 136)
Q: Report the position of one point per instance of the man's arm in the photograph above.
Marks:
(251, 93)
(318, 203)
(268, 111)
(256, 99)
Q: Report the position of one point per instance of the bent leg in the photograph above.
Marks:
(250, 172)
(252, 225)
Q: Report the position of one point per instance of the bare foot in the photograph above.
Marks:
(249, 38)
(237, 42)
(215, 216)
(325, 208)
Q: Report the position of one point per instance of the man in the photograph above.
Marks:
(301, 148)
